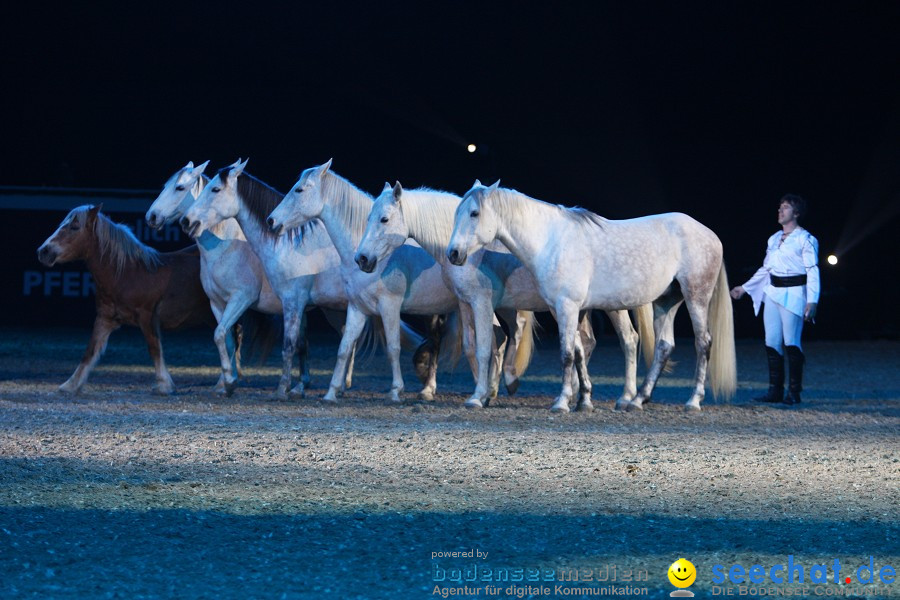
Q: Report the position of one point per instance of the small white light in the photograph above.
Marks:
(832, 259)
(471, 148)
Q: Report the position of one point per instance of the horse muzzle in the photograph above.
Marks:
(456, 257)
(189, 227)
(154, 221)
(366, 265)
(274, 227)
(47, 256)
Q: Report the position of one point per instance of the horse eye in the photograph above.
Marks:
(298, 190)
(216, 190)
(384, 219)
(179, 187)
(474, 214)
(74, 226)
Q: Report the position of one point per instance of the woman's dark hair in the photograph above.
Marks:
(797, 202)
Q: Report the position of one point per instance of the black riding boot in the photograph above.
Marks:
(795, 374)
(776, 377)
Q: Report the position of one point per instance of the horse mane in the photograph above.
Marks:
(430, 214)
(578, 215)
(260, 199)
(122, 247)
(350, 204)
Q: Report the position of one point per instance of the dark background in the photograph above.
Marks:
(713, 109)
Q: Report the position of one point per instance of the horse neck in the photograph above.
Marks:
(105, 260)
(344, 213)
(429, 218)
(252, 230)
(228, 229)
(525, 224)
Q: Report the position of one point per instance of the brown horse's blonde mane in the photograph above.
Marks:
(121, 247)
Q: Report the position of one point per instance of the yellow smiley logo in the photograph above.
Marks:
(682, 573)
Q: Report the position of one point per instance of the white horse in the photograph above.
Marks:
(488, 281)
(410, 281)
(303, 269)
(231, 273)
(581, 260)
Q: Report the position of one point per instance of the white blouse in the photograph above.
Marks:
(797, 255)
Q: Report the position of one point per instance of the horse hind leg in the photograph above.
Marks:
(97, 344)
(664, 309)
(628, 341)
(702, 346)
(150, 328)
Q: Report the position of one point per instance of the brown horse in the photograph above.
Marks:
(135, 285)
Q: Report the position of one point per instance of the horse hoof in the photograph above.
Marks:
(67, 390)
(426, 395)
(162, 391)
(297, 392)
(622, 404)
(585, 406)
(512, 386)
(690, 407)
(473, 403)
(561, 406)
(229, 389)
(633, 406)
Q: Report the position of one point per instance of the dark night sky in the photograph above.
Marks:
(715, 109)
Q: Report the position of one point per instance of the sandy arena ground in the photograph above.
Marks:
(117, 493)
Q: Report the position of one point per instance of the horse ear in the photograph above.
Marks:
(190, 165)
(200, 168)
(398, 191)
(239, 167)
(495, 186)
(386, 187)
(95, 208)
(477, 183)
(325, 167)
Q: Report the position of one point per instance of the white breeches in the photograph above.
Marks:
(783, 328)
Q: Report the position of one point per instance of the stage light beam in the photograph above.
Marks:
(832, 259)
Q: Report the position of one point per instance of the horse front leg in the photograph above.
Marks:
(149, 324)
(103, 327)
(353, 328)
(302, 347)
(584, 378)
(483, 321)
(567, 320)
(337, 319)
(435, 334)
(628, 341)
(390, 317)
(224, 340)
(288, 345)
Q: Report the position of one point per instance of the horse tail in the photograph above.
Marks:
(260, 333)
(525, 347)
(722, 360)
(646, 337)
